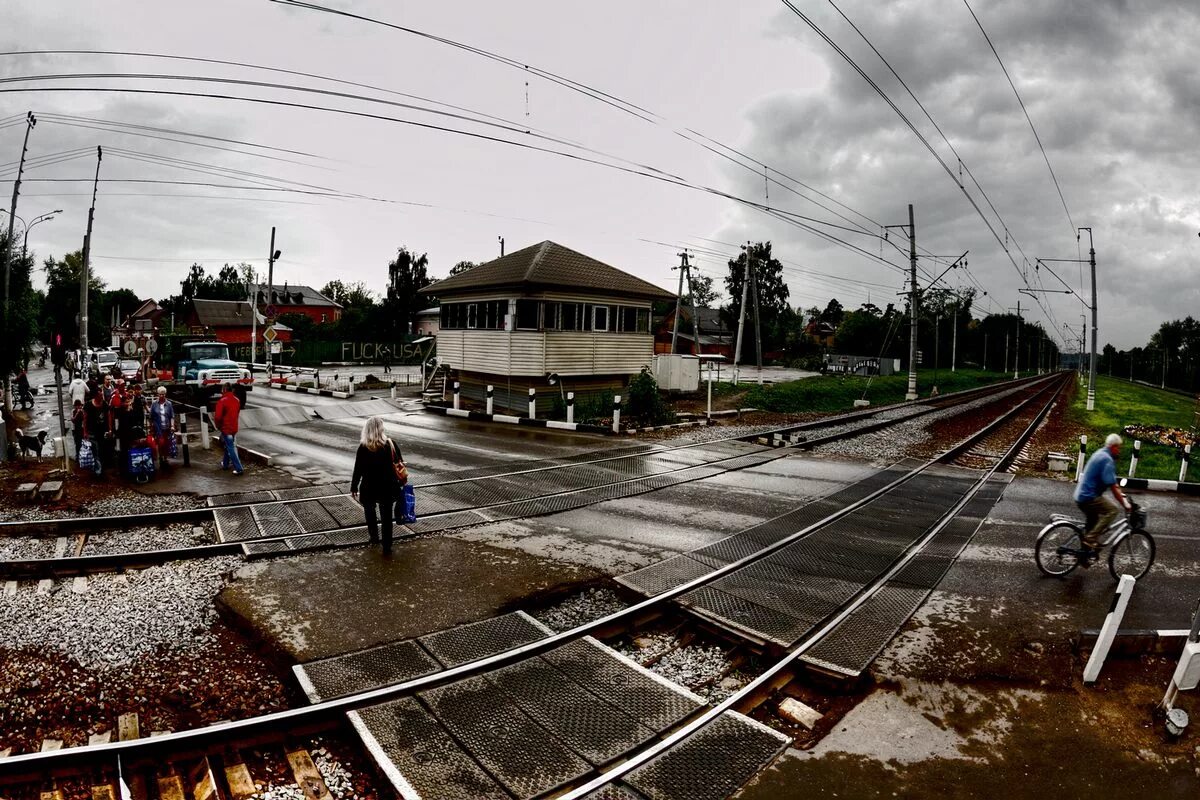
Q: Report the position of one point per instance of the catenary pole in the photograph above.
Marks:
(911, 394)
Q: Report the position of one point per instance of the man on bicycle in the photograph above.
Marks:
(1099, 476)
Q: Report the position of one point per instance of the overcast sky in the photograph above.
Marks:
(1111, 87)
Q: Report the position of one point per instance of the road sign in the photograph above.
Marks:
(269, 334)
(130, 347)
(276, 348)
(272, 311)
(151, 346)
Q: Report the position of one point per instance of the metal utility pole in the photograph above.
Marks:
(1091, 393)
(271, 256)
(737, 348)
(1017, 345)
(911, 394)
(85, 271)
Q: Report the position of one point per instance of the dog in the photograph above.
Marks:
(31, 444)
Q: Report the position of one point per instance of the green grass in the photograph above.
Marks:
(1119, 403)
(838, 393)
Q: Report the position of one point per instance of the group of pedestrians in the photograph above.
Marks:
(110, 417)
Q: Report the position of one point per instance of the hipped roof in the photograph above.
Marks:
(548, 265)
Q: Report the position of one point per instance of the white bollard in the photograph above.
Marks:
(532, 403)
(1082, 451)
(1137, 451)
(570, 407)
(393, 391)
(491, 398)
(204, 442)
(1109, 629)
(616, 413)
(457, 392)
(1183, 467)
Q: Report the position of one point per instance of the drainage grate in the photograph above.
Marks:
(654, 701)
(519, 753)
(418, 756)
(361, 670)
(485, 638)
(593, 728)
(711, 764)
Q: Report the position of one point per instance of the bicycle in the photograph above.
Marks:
(1059, 547)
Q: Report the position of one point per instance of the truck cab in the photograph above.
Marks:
(204, 366)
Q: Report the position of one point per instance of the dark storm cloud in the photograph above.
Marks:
(1111, 88)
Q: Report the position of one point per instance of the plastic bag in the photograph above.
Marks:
(86, 455)
(406, 506)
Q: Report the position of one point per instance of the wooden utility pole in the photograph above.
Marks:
(6, 400)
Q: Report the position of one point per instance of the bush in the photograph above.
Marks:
(645, 403)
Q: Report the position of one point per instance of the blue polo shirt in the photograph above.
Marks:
(1098, 476)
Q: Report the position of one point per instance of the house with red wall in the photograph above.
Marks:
(229, 321)
(292, 299)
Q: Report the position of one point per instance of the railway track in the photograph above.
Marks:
(850, 580)
(314, 518)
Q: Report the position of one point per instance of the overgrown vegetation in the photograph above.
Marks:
(646, 406)
(1120, 403)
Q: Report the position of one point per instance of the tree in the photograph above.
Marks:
(302, 326)
(462, 266)
(407, 274)
(833, 313)
(772, 296)
(62, 299)
(24, 325)
(701, 292)
(354, 295)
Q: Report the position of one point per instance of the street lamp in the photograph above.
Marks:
(49, 215)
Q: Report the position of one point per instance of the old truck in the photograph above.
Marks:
(199, 370)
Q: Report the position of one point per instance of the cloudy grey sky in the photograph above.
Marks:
(1110, 85)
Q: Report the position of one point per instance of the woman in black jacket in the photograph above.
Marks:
(375, 473)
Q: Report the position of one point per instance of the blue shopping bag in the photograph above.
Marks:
(406, 506)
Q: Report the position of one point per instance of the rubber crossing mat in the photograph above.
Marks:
(678, 570)
(851, 647)
(396, 662)
(530, 728)
(713, 763)
(838, 559)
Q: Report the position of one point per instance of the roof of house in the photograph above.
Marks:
(548, 265)
(289, 295)
(225, 313)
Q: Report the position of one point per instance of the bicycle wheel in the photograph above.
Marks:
(1133, 555)
(1061, 537)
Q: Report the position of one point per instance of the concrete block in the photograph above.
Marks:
(100, 738)
(80, 584)
(793, 710)
(27, 490)
(128, 727)
(45, 585)
(49, 745)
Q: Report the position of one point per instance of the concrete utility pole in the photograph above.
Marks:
(757, 324)
(954, 340)
(252, 290)
(737, 349)
(30, 121)
(985, 352)
(271, 256)
(911, 394)
(687, 269)
(678, 300)
(1091, 393)
(85, 271)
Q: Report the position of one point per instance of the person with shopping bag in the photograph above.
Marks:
(162, 425)
(380, 473)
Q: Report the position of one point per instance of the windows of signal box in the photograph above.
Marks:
(546, 315)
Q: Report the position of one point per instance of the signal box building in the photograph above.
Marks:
(539, 311)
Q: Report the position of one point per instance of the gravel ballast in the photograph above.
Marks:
(169, 537)
(579, 609)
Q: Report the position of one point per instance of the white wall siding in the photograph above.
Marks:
(538, 352)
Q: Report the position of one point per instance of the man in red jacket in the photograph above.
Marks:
(226, 418)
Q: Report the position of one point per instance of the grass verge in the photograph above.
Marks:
(838, 393)
(1120, 403)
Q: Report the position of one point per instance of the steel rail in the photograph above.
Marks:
(837, 618)
(37, 568)
(116, 522)
(32, 765)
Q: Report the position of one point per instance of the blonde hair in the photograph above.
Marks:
(373, 436)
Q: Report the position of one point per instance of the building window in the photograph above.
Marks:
(601, 318)
(569, 318)
(643, 320)
(628, 319)
(550, 316)
(472, 316)
(323, 318)
(527, 315)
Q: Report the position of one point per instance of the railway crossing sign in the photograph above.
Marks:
(130, 347)
(151, 346)
(269, 334)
